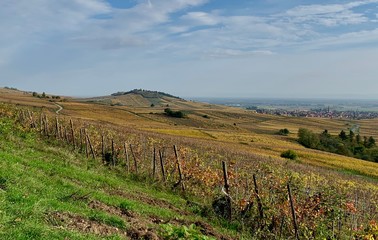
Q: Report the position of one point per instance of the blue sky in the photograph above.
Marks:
(191, 48)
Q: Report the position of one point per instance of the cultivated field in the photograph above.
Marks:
(248, 143)
(242, 129)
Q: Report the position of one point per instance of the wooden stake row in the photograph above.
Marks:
(62, 133)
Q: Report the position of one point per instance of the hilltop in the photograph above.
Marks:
(139, 98)
(146, 94)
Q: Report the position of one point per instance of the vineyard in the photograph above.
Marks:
(265, 198)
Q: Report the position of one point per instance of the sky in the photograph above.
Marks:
(191, 48)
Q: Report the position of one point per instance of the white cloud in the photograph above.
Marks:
(200, 18)
(71, 35)
(151, 13)
(317, 9)
(150, 24)
(91, 6)
(140, 25)
(345, 17)
(28, 24)
(329, 14)
(111, 42)
(352, 39)
(42, 16)
(235, 53)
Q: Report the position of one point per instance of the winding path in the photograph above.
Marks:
(60, 108)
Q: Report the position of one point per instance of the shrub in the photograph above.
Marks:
(283, 132)
(307, 138)
(176, 114)
(290, 154)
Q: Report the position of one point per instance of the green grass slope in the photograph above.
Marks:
(48, 191)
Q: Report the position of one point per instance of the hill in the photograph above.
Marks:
(328, 190)
(139, 98)
(146, 93)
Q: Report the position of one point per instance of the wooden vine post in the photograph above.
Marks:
(81, 140)
(179, 169)
(41, 124)
(103, 149)
(91, 147)
(293, 212)
(34, 120)
(30, 119)
(42, 120)
(225, 178)
(57, 128)
(47, 126)
(73, 134)
(154, 164)
(62, 132)
(162, 166)
(23, 117)
(126, 158)
(65, 135)
(227, 189)
(113, 154)
(32, 124)
(135, 160)
(86, 142)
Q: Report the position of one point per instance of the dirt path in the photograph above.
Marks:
(60, 108)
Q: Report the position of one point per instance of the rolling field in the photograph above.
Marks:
(23, 98)
(248, 142)
(250, 131)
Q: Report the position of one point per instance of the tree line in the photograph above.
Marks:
(347, 144)
(44, 95)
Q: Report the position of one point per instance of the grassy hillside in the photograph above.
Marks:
(48, 191)
(334, 196)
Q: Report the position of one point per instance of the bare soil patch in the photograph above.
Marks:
(139, 226)
(81, 224)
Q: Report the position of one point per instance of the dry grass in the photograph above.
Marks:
(237, 129)
(23, 98)
(249, 144)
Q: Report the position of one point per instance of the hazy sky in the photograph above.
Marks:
(208, 48)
